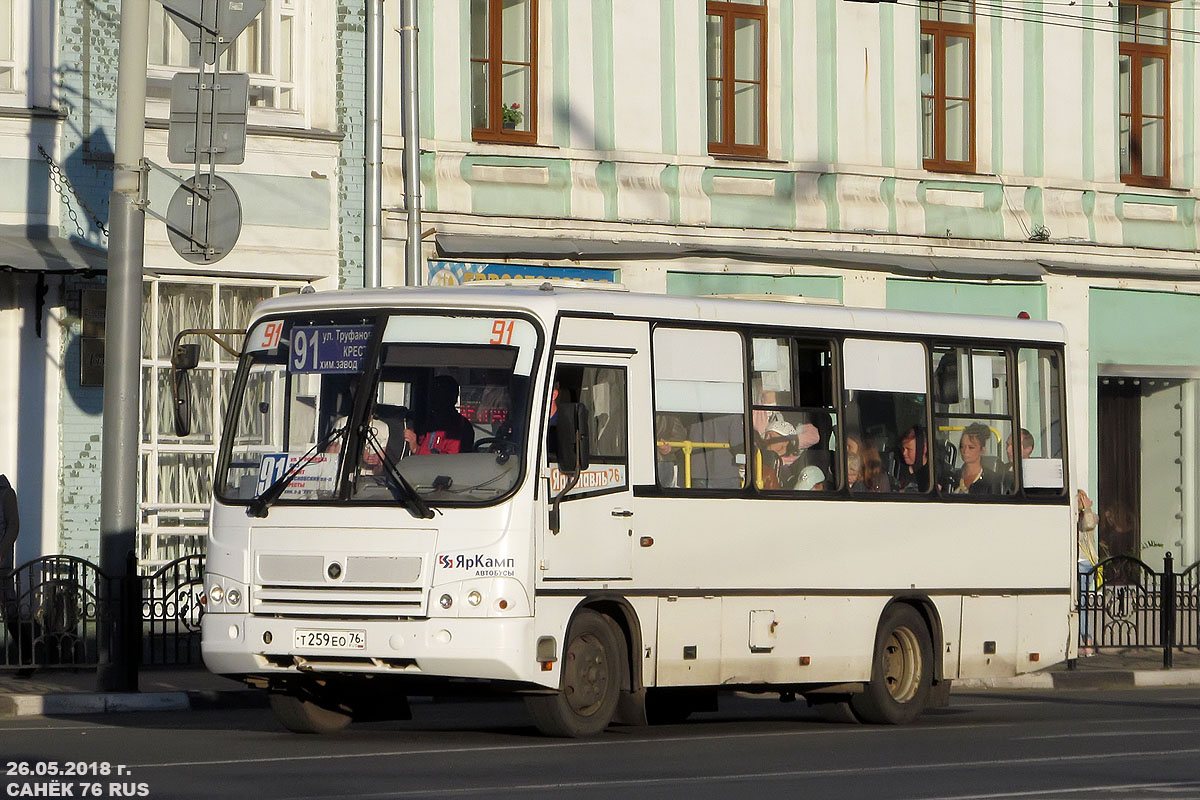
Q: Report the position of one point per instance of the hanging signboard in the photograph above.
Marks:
(455, 273)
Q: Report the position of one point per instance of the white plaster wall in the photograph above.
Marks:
(804, 61)
(1012, 100)
(450, 62)
(858, 99)
(637, 79)
(691, 137)
(1062, 101)
(30, 380)
(581, 78)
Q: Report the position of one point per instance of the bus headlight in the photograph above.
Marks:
(233, 597)
(445, 601)
(474, 598)
(216, 593)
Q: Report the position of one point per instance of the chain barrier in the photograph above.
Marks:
(62, 185)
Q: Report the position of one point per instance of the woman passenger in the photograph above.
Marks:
(973, 477)
(914, 461)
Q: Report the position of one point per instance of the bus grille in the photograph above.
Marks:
(338, 601)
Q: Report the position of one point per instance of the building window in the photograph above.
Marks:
(269, 50)
(948, 85)
(737, 78)
(504, 70)
(1145, 92)
(8, 56)
(176, 472)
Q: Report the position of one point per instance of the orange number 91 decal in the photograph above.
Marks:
(502, 331)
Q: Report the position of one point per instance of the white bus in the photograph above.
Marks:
(616, 504)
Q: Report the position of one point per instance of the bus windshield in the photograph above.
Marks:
(434, 405)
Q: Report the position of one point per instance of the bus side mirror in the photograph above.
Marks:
(184, 359)
(574, 438)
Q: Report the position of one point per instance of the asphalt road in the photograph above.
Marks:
(1063, 745)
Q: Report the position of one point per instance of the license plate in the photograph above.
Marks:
(331, 640)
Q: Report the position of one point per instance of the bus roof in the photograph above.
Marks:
(548, 300)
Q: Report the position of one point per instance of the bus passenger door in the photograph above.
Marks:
(596, 523)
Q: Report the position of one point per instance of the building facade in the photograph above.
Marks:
(953, 156)
(300, 192)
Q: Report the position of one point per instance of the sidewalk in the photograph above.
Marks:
(70, 692)
(1110, 669)
(67, 692)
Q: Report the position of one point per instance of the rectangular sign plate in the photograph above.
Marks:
(330, 640)
(329, 348)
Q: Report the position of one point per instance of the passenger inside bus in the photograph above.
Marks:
(973, 477)
(1009, 479)
(914, 461)
(873, 478)
(669, 435)
(780, 455)
(442, 429)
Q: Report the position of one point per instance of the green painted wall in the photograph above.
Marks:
(1127, 327)
(960, 297)
(551, 199)
(702, 283)
(1178, 235)
(964, 223)
(742, 211)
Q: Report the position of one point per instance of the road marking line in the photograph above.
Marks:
(1105, 733)
(809, 773)
(1090, 790)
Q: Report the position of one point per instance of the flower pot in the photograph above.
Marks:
(509, 125)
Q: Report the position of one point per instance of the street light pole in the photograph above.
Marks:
(123, 324)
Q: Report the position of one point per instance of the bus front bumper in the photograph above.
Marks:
(488, 649)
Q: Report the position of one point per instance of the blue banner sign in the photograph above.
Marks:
(329, 348)
(455, 273)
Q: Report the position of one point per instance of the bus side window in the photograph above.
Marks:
(1039, 392)
(699, 383)
(885, 407)
(973, 422)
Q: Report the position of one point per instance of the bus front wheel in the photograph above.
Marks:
(901, 670)
(591, 675)
(301, 715)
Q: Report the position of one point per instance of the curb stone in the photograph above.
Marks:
(79, 703)
(1099, 679)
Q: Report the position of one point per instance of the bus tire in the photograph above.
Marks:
(591, 675)
(901, 670)
(300, 715)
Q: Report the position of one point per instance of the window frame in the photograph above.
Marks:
(495, 131)
(1136, 51)
(159, 543)
(729, 12)
(300, 85)
(940, 30)
(797, 340)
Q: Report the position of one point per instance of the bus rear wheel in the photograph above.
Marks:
(901, 670)
(301, 715)
(591, 674)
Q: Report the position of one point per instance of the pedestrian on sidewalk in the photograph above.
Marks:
(1088, 558)
(20, 638)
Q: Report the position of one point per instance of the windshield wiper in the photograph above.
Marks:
(259, 505)
(407, 495)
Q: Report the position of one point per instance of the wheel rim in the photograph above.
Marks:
(902, 664)
(586, 683)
